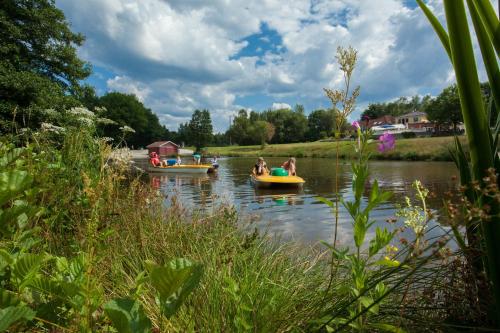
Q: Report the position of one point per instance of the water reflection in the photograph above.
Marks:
(296, 213)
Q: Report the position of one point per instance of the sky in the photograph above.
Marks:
(224, 55)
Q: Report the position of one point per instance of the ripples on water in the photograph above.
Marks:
(297, 213)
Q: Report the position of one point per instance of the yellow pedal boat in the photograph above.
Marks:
(183, 168)
(277, 181)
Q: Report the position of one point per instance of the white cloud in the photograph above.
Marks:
(126, 85)
(280, 106)
(179, 55)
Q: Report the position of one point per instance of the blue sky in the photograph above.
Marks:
(179, 55)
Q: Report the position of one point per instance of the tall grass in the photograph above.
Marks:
(95, 209)
(250, 282)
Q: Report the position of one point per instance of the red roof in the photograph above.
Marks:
(160, 144)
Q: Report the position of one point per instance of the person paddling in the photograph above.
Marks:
(260, 168)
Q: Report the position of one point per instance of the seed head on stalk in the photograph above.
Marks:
(346, 57)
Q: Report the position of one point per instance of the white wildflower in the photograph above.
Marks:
(126, 129)
(81, 112)
(100, 109)
(47, 127)
(51, 113)
(107, 139)
(106, 121)
(85, 121)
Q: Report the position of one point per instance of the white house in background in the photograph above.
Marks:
(415, 120)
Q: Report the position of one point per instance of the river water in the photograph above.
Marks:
(297, 214)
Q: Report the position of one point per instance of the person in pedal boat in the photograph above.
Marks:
(290, 166)
(154, 160)
(178, 161)
(260, 168)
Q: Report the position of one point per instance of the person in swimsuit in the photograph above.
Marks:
(290, 166)
(260, 168)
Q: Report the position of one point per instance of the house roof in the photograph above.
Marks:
(160, 144)
(413, 114)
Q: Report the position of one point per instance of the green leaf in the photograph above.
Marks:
(374, 192)
(8, 298)
(174, 282)
(17, 213)
(12, 314)
(46, 286)
(12, 183)
(490, 21)
(326, 201)
(127, 316)
(63, 290)
(359, 230)
(27, 267)
(6, 257)
(387, 328)
(10, 156)
(382, 238)
(366, 301)
(443, 36)
(489, 58)
(388, 263)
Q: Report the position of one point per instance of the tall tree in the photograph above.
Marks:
(261, 132)
(128, 110)
(290, 126)
(445, 108)
(320, 124)
(239, 130)
(200, 128)
(39, 66)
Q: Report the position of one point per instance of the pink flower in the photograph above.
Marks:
(356, 124)
(387, 142)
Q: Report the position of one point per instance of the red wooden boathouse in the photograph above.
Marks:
(163, 148)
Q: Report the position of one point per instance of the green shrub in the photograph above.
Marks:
(408, 135)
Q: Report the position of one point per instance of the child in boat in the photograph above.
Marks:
(197, 158)
(290, 166)
(178, 161)
(260, 168)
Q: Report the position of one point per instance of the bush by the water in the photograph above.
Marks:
(408, 135)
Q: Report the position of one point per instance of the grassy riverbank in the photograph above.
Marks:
(90, 237)
(93, 233)
(417, 149)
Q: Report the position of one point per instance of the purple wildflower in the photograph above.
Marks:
(356, 124)
(387, 142)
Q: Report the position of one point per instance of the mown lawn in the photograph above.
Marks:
(435, 148)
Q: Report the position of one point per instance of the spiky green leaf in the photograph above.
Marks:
(443, 36)
(490, 21)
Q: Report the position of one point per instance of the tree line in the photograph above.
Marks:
(444, 109)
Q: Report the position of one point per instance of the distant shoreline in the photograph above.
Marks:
(415, 149)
